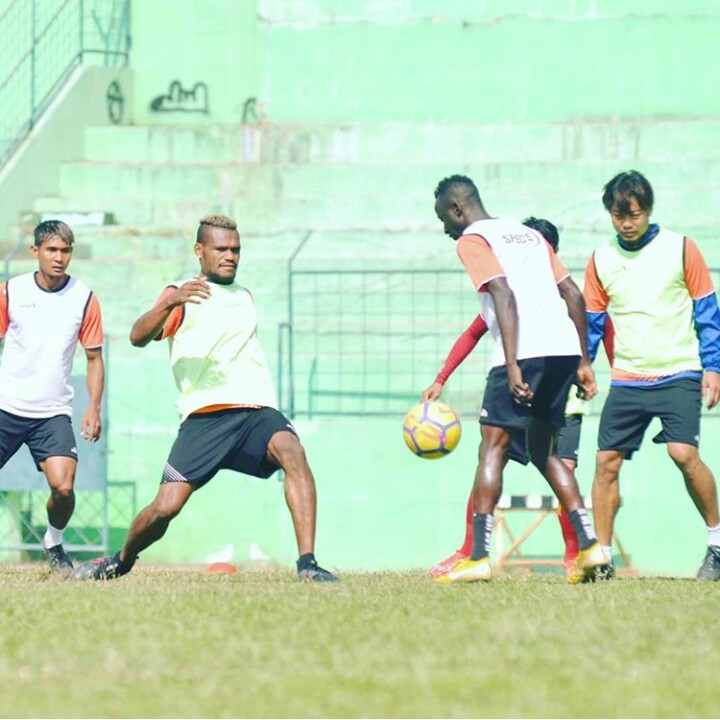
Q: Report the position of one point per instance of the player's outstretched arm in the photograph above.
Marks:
(429, 394)
(149, 325)
(463, 346)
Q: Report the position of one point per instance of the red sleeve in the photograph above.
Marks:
(596, 299)
(697, 276)
(609, 340)
(91, 332)
(462, 348)
(4, 316)
(175, 319)
(479, 260)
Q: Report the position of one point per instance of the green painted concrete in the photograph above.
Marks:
(417, 61)
(416, 143)
(58, 137)
(211, 42)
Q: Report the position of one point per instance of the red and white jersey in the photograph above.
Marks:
(506, 248)
(41, 330)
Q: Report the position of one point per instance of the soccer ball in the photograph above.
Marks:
(431, 430)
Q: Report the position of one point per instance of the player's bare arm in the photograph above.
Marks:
(148, 326)
(573, 297)
(507, 317)
(92, 423)
(711, 388)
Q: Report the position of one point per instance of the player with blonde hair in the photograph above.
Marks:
(226, 402)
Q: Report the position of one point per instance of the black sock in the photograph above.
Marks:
(306, 561)
(124, 566)
(482, 529)
(583, 527)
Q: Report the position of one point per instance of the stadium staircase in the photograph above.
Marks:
(365, 190)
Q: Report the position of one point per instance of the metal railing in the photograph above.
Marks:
(368, 341)
(43, 41)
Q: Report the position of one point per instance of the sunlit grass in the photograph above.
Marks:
(168, 643)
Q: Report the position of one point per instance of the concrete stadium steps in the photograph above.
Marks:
(594, 140)
(270, 198)
(318, 181)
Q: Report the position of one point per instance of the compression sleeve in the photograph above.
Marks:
(462, 348)
(609, 340)
(4, 315)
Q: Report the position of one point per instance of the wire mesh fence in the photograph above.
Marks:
(43, 42)
(367, 342)
(23, 519)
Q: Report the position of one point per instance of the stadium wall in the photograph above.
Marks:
(34, 170)
(500, 61)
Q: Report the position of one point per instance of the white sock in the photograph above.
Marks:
(714, 536)
(607, 549)
(52, 537)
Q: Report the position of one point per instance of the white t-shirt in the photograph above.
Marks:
(41, 330)
(506, 248)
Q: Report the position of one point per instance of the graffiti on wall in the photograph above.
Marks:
(178, 99)
(115, 102)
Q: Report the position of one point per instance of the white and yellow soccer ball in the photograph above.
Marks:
(431, 430)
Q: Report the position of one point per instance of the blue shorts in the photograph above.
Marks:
(234, 439)
(45, 437)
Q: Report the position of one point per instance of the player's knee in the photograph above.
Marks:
(286, 450)
(495, 444)
(165, 510)
(684, 456)
(63, 489)
(169, 502)
(607, 466)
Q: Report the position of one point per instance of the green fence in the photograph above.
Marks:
(43, 41)
(368, 341)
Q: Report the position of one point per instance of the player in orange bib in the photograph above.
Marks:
(657, 287)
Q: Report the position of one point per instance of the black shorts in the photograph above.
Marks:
(235, 439)
(628, 411)
(45, 437)
(549, 378)
(567, 444)
(568, 438)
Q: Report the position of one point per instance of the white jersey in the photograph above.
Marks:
(41, 330)
(544, 327)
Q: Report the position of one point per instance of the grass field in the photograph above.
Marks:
(171, 643)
